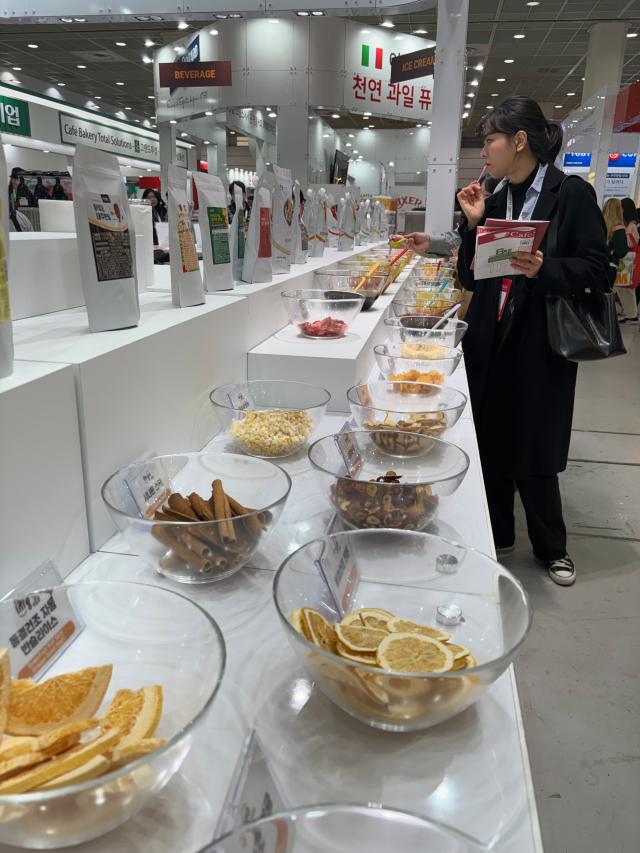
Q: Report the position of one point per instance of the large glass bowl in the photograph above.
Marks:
(410, 360)
(322, 314)
(151, 636)
(411, 575)
(430, 470)
(270, 417)
(435, 304)
(344, 828)
(417, 327)
(356, 280)
(199, 551)
(386, 408)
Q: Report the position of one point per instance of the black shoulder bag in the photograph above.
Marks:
(585, 327)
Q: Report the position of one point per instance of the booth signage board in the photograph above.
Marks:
(411, 66)
(113, 140)
(175, 75)
(14, 116)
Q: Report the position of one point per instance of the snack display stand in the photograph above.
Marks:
(147, 389)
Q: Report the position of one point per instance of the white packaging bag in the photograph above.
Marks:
(300, 237)
(257, 248)
(323, 219)
(333, 232)
(106, 241)
(347, 223)
(214, 231)
(236, 239)
(186, 280)
(281, 220)
(6, 331)
(312, 219)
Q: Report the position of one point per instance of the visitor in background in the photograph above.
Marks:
(631, 220)
(522, 393)
(158, 209)
(19, 193)
(618, 243)
(232, 204)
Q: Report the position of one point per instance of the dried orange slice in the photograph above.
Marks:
(132, 751)
(414, 653)
(471, 662)
(296, 621)
(19, 684)
(96, 766)
(368, 617)
(62, 764)
(362, 657)
(459, 652)
(318, 630)
(135, 712)
(56, 701)
(360, 639)
(368, 682)
(406, 626)
(50, 744)
(5, 687)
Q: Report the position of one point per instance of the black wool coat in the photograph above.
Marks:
(522, 392)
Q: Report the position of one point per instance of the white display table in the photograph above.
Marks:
(43, 511)
(140, 390)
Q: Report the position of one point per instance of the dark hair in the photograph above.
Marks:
(522, 113)
(150, 191)
(629, 212)
(236, 184)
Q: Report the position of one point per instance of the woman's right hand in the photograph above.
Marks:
(417, 241)
(471, 201)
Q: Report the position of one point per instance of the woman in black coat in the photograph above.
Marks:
(522, 392)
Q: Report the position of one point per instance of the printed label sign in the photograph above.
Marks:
(5, 310)
(109, 239)
(264, 246)
(174, 75)
(149, 488)
(14, 116)
(339, 571)
(349, 451)
(240, 235)
(420, 63)
(188, 252)
(219, 234)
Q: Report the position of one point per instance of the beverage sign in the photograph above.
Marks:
(14, 116)
(409, 66)
(175, 75)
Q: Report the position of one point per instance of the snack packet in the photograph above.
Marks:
(347, 224)
(6, 331)
(257, 250)
(106, 242)
(186, 280)
(214, 228)
(236, 239)
(300, 237)
(281, 220)
(332, 225)
(323, 219)
(366, 222)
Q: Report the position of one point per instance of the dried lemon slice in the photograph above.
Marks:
(367, 659)
(360, 639)
(406, 626)
(367, 617)
(471, 662)
(135, 712)
(459, 652)
(63, 699)
(368, 682)
(296, 621)
(5, 687)
(318, 630)
(414, 653)
(96, 766)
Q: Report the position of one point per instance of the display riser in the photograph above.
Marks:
(141, 390)
(42, 497)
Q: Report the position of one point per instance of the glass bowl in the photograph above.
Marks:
(434, 304)
(409, 361)
(420, 327)
(198, 551)
(356, 280)
(414, 576)
(429, 471)
(150, 636)
(386, 408)
(321, 314)
(270, 417)
(342, 828)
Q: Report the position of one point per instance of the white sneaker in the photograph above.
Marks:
(562, 571)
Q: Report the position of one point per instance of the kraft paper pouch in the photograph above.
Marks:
(236, 239)
(281, 219)
(313, 214)
(214, 231)
(186, 281)
(257, 248)
(6, 331)
(347, 223)
(332, 225)
(300, 237)
(106, 241)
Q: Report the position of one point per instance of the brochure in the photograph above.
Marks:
(498, 239)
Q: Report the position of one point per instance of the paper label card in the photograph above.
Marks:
(339, 571)
(348, 448)
(149, 488)
(238, 400)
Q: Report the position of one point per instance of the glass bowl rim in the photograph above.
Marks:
(44, 796)
(300, 294)
(272, 383)
(165, 523)
(368, 433)
(396, 323)
(446, 388)
(453, 354)
(392, 673)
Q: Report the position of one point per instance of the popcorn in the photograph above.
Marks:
(273, 433)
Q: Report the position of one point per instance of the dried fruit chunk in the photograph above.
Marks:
(360, 639)
(359, 657)
(368, 617)
(135, 712)
(131, 752)
(406, 626)
(459, 652)
(50, 744)
(296, 621)
(96, 766)
(414, 653)
(318, 630)
(56, 701)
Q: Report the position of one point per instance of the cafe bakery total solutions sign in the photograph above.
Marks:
(125, 143)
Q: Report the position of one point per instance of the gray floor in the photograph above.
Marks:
(578, 672)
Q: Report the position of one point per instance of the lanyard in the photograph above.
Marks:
(530, 198)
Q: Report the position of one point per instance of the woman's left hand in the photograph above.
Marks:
(527, 264)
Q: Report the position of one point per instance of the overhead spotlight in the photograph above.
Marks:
(467, 106)
(16, 68)
(151, 97)
(509, 61)
(501, 79)
(33, 46)
(172, 121)
(349, 145)
(119, 84)
(121, 44)
(388, 24)
(335, 115)
(208, 113)
(465, 115)
(81, 66)
(272, 115)
(474, 83)
(419, 32)
(391, 163)
(479, 67)
(183, 25)
(213, 32)
(558, 106)
(570, 94)
(61, 84)
(128, 108)
(148, 43)
(519, 36)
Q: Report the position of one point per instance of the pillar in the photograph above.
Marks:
(444, 147)
(603, 72)
(292, 141)
(167, 140)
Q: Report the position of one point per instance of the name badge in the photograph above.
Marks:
(505, 287)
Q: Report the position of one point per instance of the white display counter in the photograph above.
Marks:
(42, 497)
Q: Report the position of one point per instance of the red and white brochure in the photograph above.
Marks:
(498, 239)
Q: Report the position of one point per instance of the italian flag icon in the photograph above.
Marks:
(366, 53)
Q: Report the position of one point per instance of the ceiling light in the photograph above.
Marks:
(80, 20)
(467, 106)
(501, 79)
(632, 35)
(365, 32)
(317, 14)
(349, 145)
(418, 125)
(148, 43)
(372, 126)
(235, 15)
(351, 135)
(335, 115)
(81, 66)
(213, 32)
(172, 121)
(570, 94)
(359, 156)
(16, 68)
(479, 67)
(183, 25)
(61, 84)
(366, 114)
(97, 97)
(273, 115)
(465, 115)
(208, 113)
(67, 20)
(325, 135)
(128, 108)
(509, 61)
(355, 150)
(474, 83)
(147, 60)
(32, 46)
(419, 32)
(388, 24)
(489, 107)
(178, 49)
(183, 134)
(558, 106)
(207, 142)
(418, 173)
(519, 36)
(46, 151)
(151, 97)
(221, 17)
(137, 121)
(391, 163)
(533, 3)
(495, 94)
(121, 44)
(303, 14)
(470, 95)
(119, 84)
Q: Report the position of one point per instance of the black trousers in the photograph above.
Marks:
(542, 505)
